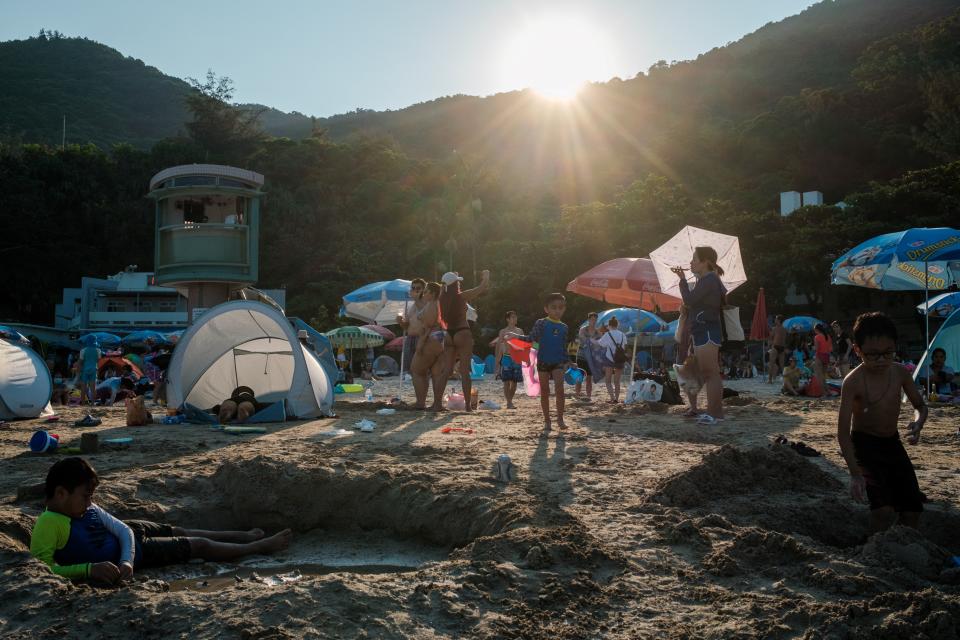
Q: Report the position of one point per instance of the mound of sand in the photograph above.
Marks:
(901, 548)
(729, 471)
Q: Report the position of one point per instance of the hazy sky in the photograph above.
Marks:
(324, 57)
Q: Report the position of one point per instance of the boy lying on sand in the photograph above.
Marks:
(78, 539)
(870, 397)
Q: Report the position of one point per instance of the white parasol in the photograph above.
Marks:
(677, 251)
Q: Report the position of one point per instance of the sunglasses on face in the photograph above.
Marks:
(877, 356)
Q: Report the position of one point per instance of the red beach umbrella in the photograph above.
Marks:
(383, 331)
(758, 328)
(628, 282)
(395, 345)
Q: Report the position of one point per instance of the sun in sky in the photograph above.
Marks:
(556, 55)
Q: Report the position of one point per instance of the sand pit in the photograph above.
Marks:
(633, 524)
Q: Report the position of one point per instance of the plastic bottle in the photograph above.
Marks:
(369, 394)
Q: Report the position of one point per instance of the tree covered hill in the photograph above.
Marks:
(107, 98)
(781, 108)
(678, 118)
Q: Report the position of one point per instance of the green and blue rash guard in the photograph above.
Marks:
(69, 546)
(551, 337)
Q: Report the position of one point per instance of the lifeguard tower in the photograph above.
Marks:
(207, 232)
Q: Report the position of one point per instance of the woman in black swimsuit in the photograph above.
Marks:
(453, 310)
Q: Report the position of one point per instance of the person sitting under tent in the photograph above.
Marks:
(61, 391)
(241, 404)
(940, 375)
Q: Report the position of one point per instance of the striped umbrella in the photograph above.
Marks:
(354, 338)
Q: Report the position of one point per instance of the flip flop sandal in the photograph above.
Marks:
(707, 419)
(456, 430)
(805, 450)
(87, 421)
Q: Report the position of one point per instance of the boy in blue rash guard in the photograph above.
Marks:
(78, 539)
(550, 334)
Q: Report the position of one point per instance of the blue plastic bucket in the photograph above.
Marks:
(42, 441)
(477, 369)
(574, 375)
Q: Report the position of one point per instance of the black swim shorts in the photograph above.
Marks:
(891, 481)
(156, 544)
(543, 367)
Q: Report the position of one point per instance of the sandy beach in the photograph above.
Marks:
(635, 523)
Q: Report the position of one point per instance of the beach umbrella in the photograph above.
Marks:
(396, 344)
(759, 329)
(378, 302)
(941, 306)
(142, 338)
(917, 259)
(383, 331)
(102, 338)
(381, 302)
(801, 324)
(631, 282)
(634, 323)
(11, 334)
(631, 321)
(670, 332)
(354, 338)
(677, 251)
(912, 260)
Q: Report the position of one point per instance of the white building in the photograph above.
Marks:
(790, 201)
(812, 198)
(127, 301)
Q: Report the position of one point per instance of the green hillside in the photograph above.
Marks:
(737, 120)
(106, 97)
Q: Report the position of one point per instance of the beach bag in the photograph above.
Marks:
(681, 329)
(137, 414)
(733, 336)
(813, 388)
(644, 391)
(619, 355)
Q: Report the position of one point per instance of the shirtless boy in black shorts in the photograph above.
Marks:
(870, 398)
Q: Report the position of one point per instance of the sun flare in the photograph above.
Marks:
(556, 56)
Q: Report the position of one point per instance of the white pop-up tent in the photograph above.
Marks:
(25, 383)
(247, 343)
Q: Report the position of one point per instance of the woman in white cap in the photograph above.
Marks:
(453, 309)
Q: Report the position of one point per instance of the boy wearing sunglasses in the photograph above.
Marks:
(880, 469)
